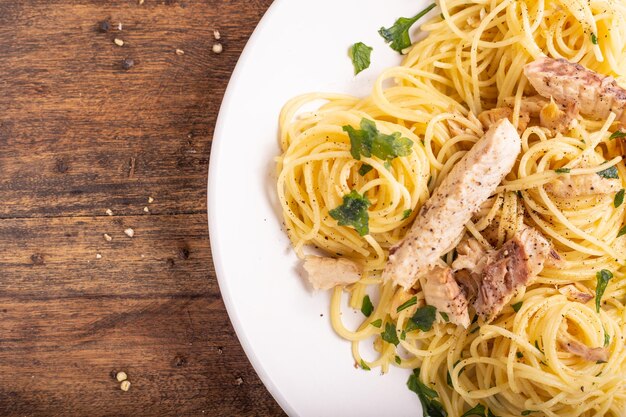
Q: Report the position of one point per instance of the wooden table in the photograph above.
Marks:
(80, 135)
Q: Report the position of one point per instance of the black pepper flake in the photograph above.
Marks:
(127, 63)
(104, 26)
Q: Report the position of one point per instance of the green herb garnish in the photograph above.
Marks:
(410, 302)
(377, 323)
(430, 406)
(365, 168)
(353, 212)
(479, 411)
(390, 335)
(398, 34)
(607, 338)
(449, 378)
(619, 198)
(369, 141)
(562, 170)
(424, 318)
(406, 214)
(519, 355)
(360, 56)
(603, 278)
(366, 306)
(444, 316)
(398, 360)
(617, 134)
(594, 39)
(621, 232)
(517, 306)
(364, 366)
(609, 173)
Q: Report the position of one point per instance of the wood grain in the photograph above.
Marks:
(79, 134)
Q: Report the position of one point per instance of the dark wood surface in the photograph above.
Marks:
(79, 134)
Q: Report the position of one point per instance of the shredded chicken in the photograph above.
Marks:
(442, 292)
(558, 121)
(531, 105)
(326, 273)
(575, 293)
(489, 117)
(442, 218)
(510, 269)
(471, 256)
(572, 84)
(570, 186)
(573, 346)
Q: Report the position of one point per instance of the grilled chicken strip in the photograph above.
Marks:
(570, 84)
(326, 273)
(510, 269)
(442, 218)
(568, 343)
(570, 186)
(442, 292)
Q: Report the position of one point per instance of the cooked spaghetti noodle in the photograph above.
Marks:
(472, 60)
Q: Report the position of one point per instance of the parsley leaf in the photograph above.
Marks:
(398, 34)
(366, 306)
(369, 141)
(364, 366)
(360, 56)
(607, 338)
(424, 318)
(621, 232)
(410, 302)
(609, 173)
(353, 212)
(517, 306)
(449, 378)
(430, 406)
(365, 168)
(406, 214)
(377, 323)
(479, 411)
(617, 134)
(619, 198)
(594, 39)
(398, 360)
(562, 170)
(390, 335)
(519, 355)
(444, 316)
(603, 278)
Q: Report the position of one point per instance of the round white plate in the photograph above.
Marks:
(300, 46)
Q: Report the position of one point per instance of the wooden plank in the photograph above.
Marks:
(58, 357)
(79, 133)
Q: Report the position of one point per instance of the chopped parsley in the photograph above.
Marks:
(609, 173)
(406, 214)
(410, 302)
(594, 39)
(366, 306)
(617, 134)
(519, 355)
(619, 198)
(517, 306)
(479, 411)
(364, 366)
(365, 168)
(562, 170)
(369, 141)
(444, 316)
(621, 232)
(398, 360)
(430, 406)
(607, 338)
(353, 212)
(449, 378)
(603, 278)
(424, 318)
(390, 335)
(360, 56)
(398, 34)
(377, 323)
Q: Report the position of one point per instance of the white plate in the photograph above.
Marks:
(299, 46)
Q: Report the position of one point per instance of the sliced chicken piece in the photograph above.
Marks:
(470, 255)
(571, 345)
(531, 105)
(558, 121)
(442, 218)
(469, 283)
(510, 269)
(489, 117)
(326, 273)
(570, 186)
(573, 292)
(442, 292)
(572, 84)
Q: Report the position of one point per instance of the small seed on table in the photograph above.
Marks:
(217, 48)
(125, 385)
(121, 376)
(118, 42)
(129, 232)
